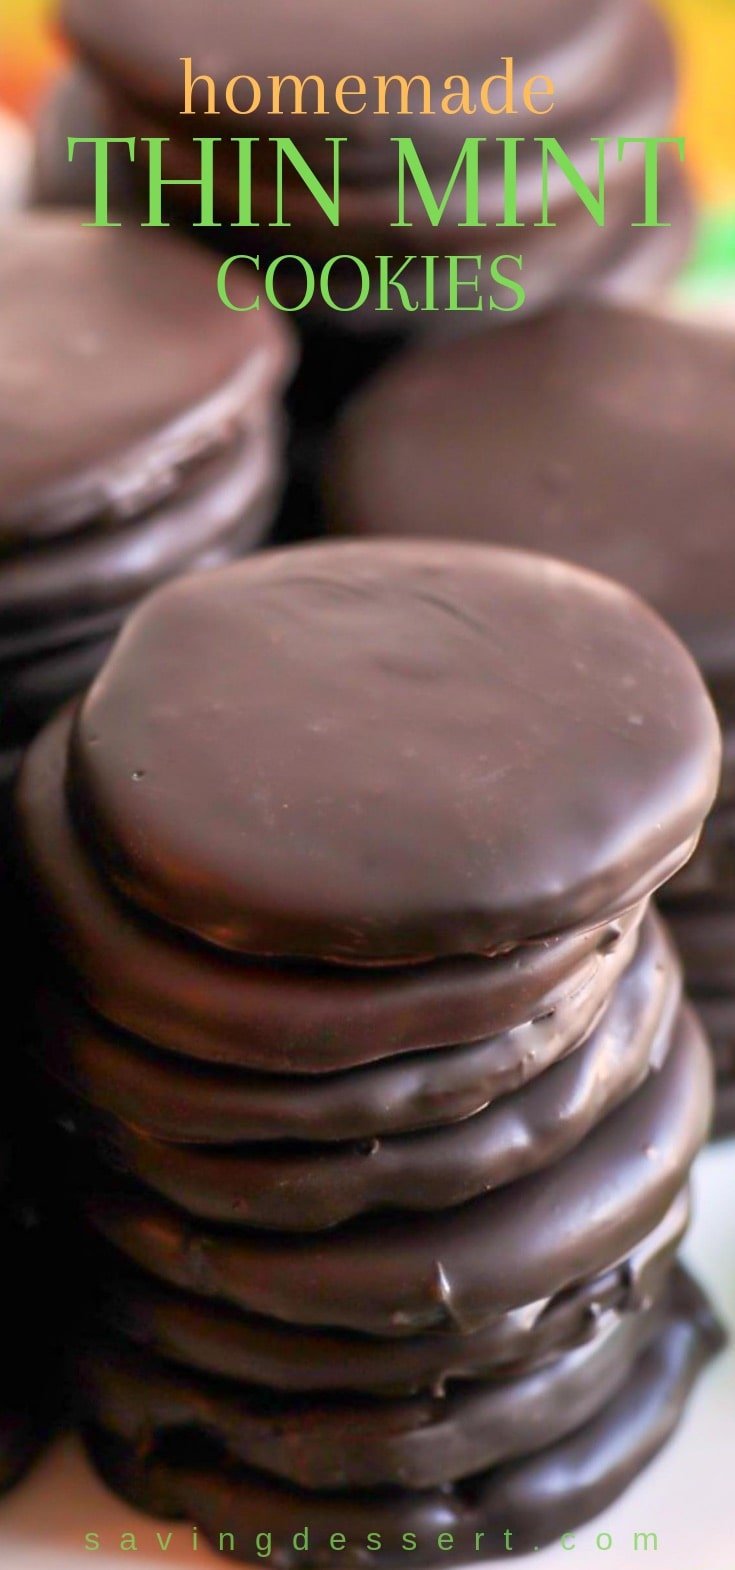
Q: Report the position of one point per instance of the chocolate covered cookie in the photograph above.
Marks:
(595, 434)
(625, 440)
(379, 1096)
(196, 1102)
(184, 1327)
(405, 1275)
(391, 830)
(312, 1187)
(534, 1498)
(296, 1019)
(141, 439)
(604, 70)
(339, 1442)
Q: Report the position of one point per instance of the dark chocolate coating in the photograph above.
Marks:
(612, 68)
(368, 207)
(109, 399)
(537, 1498)
(183, 1328)
(442, 750)
(199, 1002)
(101, 570)
(339, 1442)
(400, 1275)
(310, 1188)
(585, 434)
(582, 50)
(192, 1103)
(573, 257)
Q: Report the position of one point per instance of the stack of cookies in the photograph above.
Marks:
(610, 62)
(602, 436)
(612, 69)
(381, 1094)
(140, 439)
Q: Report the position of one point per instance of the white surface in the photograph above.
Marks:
(687, 1497)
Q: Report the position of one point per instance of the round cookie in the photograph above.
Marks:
(194, 1103)
(317, 1187)
(345, 1443)
(625, 442)
(534, 1498)
(581, 49)
(183, 1328)
(398, 778)
(639, 96)
(134, 399)
(585, 434)
(404, 1275)
(76, 582)
(131, 451)
(574, 256)
(195, 1001)
(612, 69)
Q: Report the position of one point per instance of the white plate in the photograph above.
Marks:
(687, 1498)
